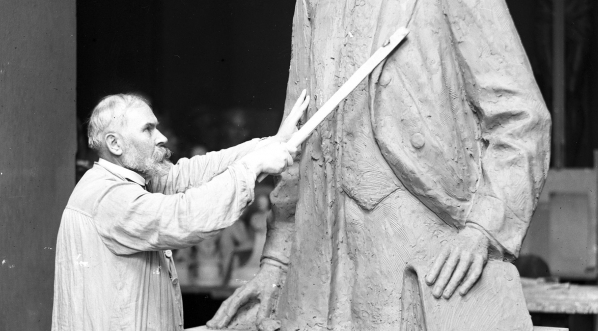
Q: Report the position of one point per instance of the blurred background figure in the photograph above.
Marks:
(236, 127)
(183, 260)
(208, 270)
(198, 150)
(242, 273)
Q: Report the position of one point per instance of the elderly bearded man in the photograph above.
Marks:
(114, 267)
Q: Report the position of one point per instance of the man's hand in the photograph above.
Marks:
(270, 159)
(460, 262)
(265, 287)
(289, 125)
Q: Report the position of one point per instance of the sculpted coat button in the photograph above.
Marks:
(385, 78)
(417, 140)
(168, 253)
(175, 281)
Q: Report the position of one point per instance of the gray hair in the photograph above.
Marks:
(109, 109)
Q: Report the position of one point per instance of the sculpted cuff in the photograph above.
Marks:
(491, 215)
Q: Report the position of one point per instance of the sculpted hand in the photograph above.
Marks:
(459, 263)
(270, 159)
(289, 125)
(265, 287)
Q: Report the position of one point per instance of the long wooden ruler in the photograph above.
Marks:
(358, 76)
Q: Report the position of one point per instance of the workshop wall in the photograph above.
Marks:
(37, 150)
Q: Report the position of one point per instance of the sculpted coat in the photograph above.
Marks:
(450, 131)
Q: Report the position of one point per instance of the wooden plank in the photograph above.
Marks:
(205, 328)
(543, 297)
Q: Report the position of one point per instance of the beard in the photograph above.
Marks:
(149, 166)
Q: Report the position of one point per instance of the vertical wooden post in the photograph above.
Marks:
(37, 152)
(558, 83)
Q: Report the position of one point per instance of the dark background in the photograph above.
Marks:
(195, 61)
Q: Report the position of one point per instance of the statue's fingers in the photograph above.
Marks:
(464, 263)
(437, 266)
(229, 308)
(473, 275)
(445, 274)
(269, 324)
(266, 303)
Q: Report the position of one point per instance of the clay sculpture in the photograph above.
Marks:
(448, 137)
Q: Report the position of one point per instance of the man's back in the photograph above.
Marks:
(96, 289)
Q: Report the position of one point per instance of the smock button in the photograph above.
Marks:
(417, 140)
(168, 253)
(175, 281)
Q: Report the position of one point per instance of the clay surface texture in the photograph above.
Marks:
(450, 131)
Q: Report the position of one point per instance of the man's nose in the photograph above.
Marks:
(160, 138)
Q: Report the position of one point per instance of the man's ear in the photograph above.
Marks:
(114, 144)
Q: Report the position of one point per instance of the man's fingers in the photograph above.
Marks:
(304, 104)
(300, 99)
(445, 274)
(474, 274)
(298, 110)
(464, 263)
(229, 308)
(291, 149)
(438, 263)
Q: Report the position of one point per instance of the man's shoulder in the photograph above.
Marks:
(95, 181)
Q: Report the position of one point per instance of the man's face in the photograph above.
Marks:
(144, 150)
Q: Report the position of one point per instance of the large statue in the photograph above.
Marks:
(432, 167)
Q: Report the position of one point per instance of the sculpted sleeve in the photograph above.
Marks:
(458, 116)
(513, 119)
(284, 198)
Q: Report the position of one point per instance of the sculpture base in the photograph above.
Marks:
(536, 328)
(205, 328)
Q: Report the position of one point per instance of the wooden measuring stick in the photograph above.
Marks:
(300, 136)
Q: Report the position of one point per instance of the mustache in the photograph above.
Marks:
(162, 153)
